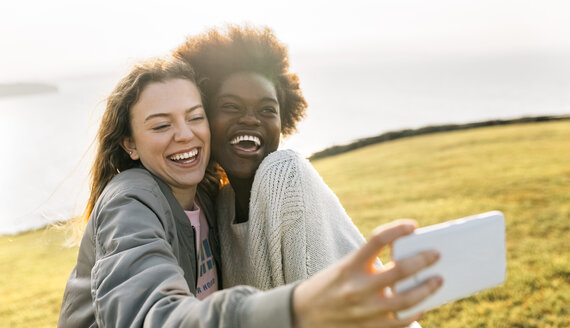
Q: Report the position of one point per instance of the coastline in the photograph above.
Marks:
(399, 134)
(38, 221)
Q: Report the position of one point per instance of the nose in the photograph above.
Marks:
(183, 133)
(249, 118)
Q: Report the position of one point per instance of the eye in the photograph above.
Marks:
(196, 118)
(160, 127)
(269, 109)
(230, 106)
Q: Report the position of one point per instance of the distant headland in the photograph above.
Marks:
(25, 89)
(393, 135)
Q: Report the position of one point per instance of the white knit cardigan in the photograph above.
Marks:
(296, 226)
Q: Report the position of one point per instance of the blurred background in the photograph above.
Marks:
(366, 67)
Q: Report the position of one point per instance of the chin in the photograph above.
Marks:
(241, 173)
(239, 168)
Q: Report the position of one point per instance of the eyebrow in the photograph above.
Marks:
(271, 99)
(191, 109)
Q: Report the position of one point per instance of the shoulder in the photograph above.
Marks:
(286, 155)
(133, 184)
(131, 204)
(282, 172)
(132, 178)
(282, 162)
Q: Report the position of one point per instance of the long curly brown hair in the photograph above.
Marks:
(217, 53)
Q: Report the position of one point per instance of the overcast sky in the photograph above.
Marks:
(366, 67)
(44, 39)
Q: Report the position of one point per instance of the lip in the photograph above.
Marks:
(236, 140)
(196, 161)
(244, 153)
(247, 133)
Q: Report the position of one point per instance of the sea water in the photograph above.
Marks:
(45, 138)
(44, 142)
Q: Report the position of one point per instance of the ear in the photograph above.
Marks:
(130, 147)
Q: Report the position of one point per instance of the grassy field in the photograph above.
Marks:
(522, 170)
(34, 267)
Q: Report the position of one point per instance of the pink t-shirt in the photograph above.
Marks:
(207, 274)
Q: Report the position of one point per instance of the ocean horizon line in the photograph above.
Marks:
(43, 220)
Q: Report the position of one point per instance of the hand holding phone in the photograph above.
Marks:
(472, 258)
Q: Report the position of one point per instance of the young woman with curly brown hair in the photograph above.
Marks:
(150, 242)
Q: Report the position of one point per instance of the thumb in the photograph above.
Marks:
(383, 235)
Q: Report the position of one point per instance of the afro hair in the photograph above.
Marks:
(216, 54)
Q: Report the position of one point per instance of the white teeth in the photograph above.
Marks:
(187, 155)
(253, 139)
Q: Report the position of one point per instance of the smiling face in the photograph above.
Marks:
(245, 122)
(170, 134)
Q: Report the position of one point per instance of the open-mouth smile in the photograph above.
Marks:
(246, 142)
(186, 157)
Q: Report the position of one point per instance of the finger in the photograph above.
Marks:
(399, 323)
(413, 296)
(396, 271)
(406, 322)
(381, 237)
(385, 320)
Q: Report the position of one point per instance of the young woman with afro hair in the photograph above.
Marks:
(278, 222)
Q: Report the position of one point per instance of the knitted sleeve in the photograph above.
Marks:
(298, 224)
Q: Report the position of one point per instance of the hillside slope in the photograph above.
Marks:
(522, 170)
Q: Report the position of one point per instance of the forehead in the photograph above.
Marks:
(247, 85)
(167, 96)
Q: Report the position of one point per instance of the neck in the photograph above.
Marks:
(242, 190)
(185, 197)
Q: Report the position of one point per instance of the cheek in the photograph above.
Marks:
(275, 132)
(218, 129)
(204, 131)
(150, 148)
(206, 138)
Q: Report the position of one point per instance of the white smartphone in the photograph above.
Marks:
(473, 258)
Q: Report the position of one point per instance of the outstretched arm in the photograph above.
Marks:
(353, 293)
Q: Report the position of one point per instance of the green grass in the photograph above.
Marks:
(522, 170)
(34, 267)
